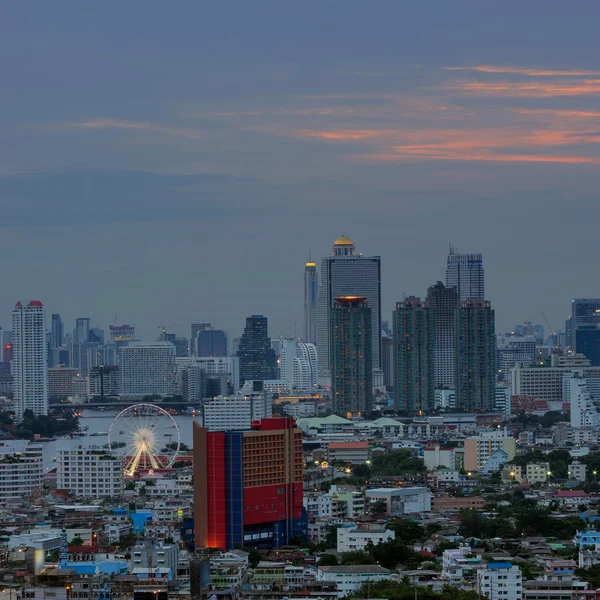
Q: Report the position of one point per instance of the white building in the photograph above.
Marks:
(436, 456)
(459, 563)
(356, 538)
(235, 413)
(214, 365)
(298, 364)
(584, 412)
(21, 470)
(147, 368)
(155, 555)
(402, 501)
(30, 359)
(500, 581)
(89, 471)
(350, 578)
(445, 399)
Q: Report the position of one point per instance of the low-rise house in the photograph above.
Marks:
(350, 578)
(354, 537)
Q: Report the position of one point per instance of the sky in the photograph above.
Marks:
(166, 163)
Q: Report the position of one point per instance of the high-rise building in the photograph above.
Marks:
(351, 363)
(236, 413)
(6, 347)
(257, 358)
(475, 355)
(584, 411)
(21, 470)
(443, 304)
(465, 273)
(30, 359)
(147, 368)
(82, 330)
(228, 366)
(585, 328)
(122, 333)
(182, 345)
(60, 382)
(298, 364)
(346, 273)
(57, 331)
(195, 329)
(211, 343)
(248, 486)
(387, 361)
(105, 380)
(311, 294)
(414, 351)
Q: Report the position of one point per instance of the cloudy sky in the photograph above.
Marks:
(163, 163)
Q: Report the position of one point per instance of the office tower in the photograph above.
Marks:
(105, 380)
(414, 340)
(248, 486)
(465, 273)
(122, 333)
(82, 330)
(298, 364)
(569, 332)
(147, 368)
(387, 361)
(57, 331)
(83, 356)
(182, 347)
(311, 294)
(257, 358)
(443, 304)
(346, 273)
(211, 342)
(475, 356)
(6, 349)
(96, 335)
(30, 359)
(195, 329)
(227, 366)
(585, 328)
(351, 363)
(60, 382)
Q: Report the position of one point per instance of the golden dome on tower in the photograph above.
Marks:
(343, 241)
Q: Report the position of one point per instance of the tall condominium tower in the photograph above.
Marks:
(475, 355)
(351, 363)
(298, 364)
(248, 486)
(346, 273)
(257, 358)
(30, 359)
(465, 273)
(585, 328)
(57, 331)
(82, 330)
(414, 351)
(443, 304)
(311, 293)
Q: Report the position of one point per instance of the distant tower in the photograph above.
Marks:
(346, 273)
(30, 359)
(298, 364)
(57, 332)
(475, 356)
(465, 273)
(414, 351)
(82, 330)
(351, 364)
(443, 304)
(311, 292)
(257, 358)
(585, 328)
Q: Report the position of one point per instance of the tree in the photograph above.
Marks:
(327, 560)
(357, 557)
(397, 462)
(254, 557)
(379, 507)
(76, 541)
(472, 524)
(409, 530)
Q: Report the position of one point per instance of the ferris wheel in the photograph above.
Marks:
(146, 436)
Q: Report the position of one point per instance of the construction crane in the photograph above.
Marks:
(163, 328)
(551, 331)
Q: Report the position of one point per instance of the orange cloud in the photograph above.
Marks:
(525, 71)
(108, 123)
(531, 89)
(583, 114)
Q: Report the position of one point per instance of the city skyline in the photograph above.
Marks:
(166, 197)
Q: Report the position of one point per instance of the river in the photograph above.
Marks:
(100, 421)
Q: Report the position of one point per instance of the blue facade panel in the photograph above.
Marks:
(234, 460)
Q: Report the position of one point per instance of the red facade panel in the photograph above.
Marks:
(216, 491)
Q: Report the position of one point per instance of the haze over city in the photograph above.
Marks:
(171, 166)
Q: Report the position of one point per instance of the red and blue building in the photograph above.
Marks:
(248, 486)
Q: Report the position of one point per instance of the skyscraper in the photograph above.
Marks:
(57, 331)
(414, 351)
(585, 328)
(30, 359)
(82, 330)
(351, 348)
(346, 273)
(443, 304)
(298, 364)
(257, 358)
(475, 356)
(211, 342)
(248, 486)
(311, 294)
(465, 273)
(147, 368)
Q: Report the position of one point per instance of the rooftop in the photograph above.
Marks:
(358, 569)
(343, 241)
